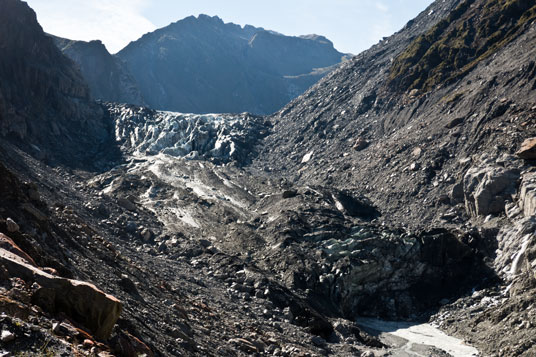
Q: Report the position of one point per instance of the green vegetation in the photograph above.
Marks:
(452, 97)
(472, 32)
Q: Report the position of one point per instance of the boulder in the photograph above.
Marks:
(12, 226)
(527, 150)
(126, 203)
(527, 194)
(7, 243)
(515, 243)
(146, 235)
(360, 144)
(289, 193)
(245, 345)
(80, 301)
(125, 344)
(456, 193)
(454, 123)
(487, 189)
(307, 157)
(7, 336)
(347, 203)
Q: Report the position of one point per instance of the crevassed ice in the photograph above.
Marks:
(191, 136)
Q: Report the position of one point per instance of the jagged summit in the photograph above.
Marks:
(21, 37)
(203, 65)
(319, 38)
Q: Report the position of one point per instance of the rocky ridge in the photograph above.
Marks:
(106, 75)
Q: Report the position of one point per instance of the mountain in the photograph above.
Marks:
(202, 65)
(105, 74)
(392, 200)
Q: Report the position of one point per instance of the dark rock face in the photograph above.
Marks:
(201, 65)
(34, 74)
(42, 95)
(105, 74)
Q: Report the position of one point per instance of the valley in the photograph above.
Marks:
(370, 216)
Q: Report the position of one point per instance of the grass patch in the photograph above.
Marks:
(452, 97)
(475, 30)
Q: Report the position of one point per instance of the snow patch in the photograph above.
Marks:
(423, 334)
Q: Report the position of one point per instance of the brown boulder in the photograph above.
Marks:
(128, 345)
(81, 301)
(14, 308)
(360, 144)
(8, 244)
(527, 150)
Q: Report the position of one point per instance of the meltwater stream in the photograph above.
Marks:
(411, 338)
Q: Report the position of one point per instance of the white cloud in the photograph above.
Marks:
(115, 23)
(382, 7)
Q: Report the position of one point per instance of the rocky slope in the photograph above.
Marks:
(426, 124)
(202, 65)
(106, 75)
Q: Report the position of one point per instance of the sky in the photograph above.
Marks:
(352, 25)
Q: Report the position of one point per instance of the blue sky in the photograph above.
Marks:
(353, 25)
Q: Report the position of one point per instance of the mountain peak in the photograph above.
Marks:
(208, 18)
(19, 27)
(317, 38)
(203, 65)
